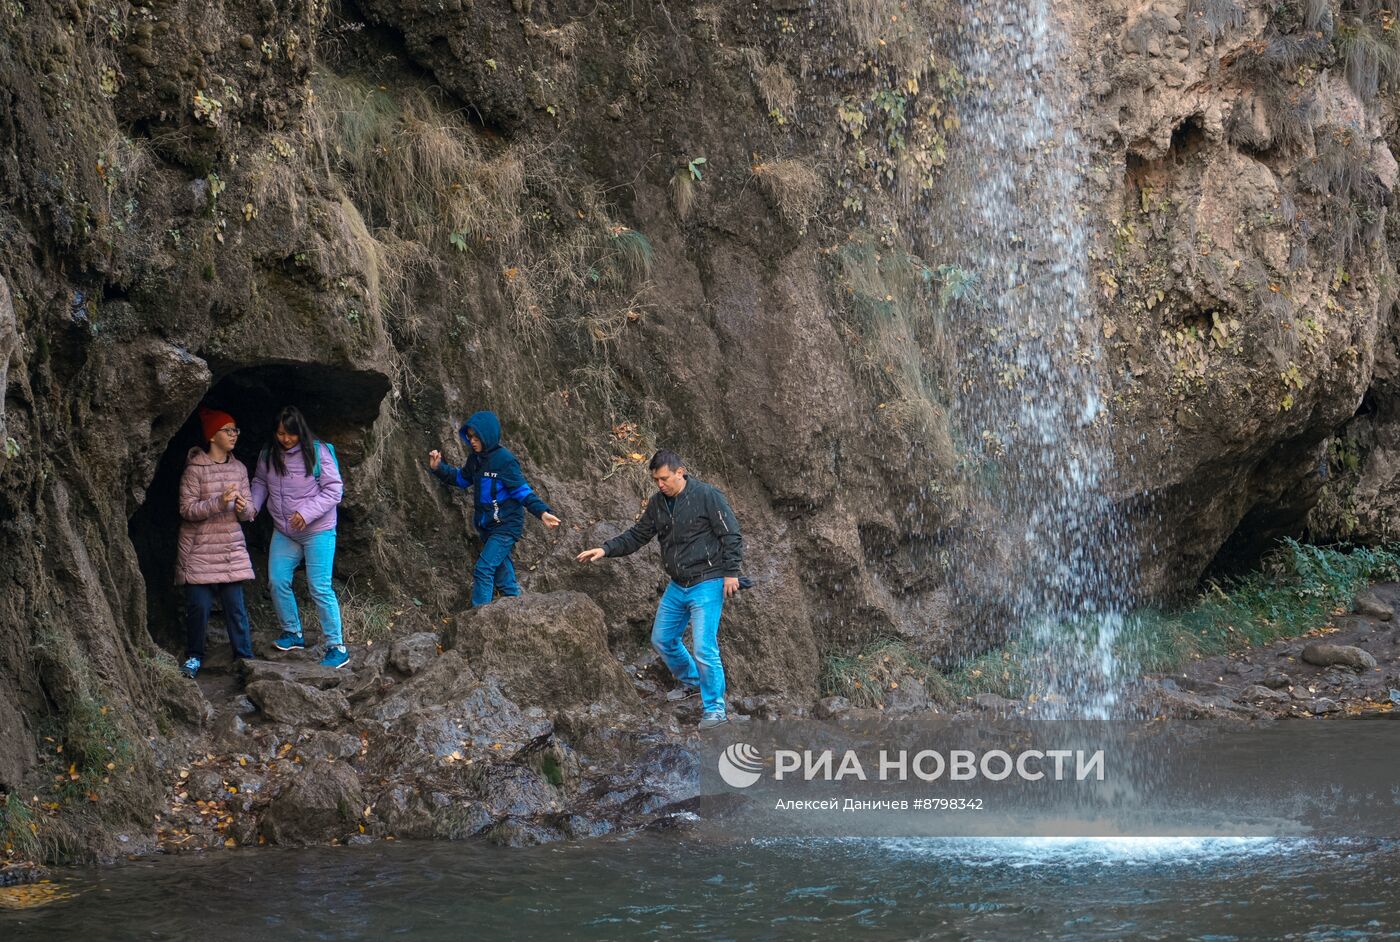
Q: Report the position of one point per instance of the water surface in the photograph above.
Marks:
(658, 887)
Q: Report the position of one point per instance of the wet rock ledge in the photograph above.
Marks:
(426, 737)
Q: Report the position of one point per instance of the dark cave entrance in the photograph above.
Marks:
(340, 404)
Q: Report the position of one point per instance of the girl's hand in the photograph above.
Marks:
(549, 520)
(298, 522)
(230, 493)
(434, 459)
(240, 503)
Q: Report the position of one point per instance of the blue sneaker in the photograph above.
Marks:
(289, 642)
(711, 720)
(190, 667)
(336, 656)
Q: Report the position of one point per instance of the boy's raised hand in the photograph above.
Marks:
(434, 459)
(549, 520)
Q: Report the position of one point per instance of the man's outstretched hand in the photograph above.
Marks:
(549, 520)
(591, 555)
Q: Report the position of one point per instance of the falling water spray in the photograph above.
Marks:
(1046, 540)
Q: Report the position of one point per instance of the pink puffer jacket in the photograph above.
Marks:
(212, 549)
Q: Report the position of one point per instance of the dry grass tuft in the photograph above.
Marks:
(778, 89)
(899, 31)
(638, 61)
(683, 192)
(794, 187)
(413, 167)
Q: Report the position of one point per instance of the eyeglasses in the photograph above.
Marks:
(231, 431)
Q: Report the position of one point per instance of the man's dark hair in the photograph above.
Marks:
(665, 458)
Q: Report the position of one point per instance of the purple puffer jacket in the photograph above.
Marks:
(212, 550)
(298, 492)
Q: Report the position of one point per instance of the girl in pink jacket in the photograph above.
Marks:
(213, 557)
(299, 480)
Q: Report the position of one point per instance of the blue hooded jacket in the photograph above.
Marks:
(501, 490)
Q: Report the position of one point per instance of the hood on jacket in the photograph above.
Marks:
(198, 455)
(487, 428)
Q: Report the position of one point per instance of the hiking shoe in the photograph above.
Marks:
(683, 692)
(336, 656)
(288, 641)
(190, 667)
(711, 720)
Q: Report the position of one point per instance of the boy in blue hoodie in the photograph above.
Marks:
(502, 497)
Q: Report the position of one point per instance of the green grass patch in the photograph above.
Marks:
(868, 678)
(19, 830)
(1297, 589)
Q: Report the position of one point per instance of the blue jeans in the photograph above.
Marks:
(199, 600)
(494, 570)
(699, 607)
(283, 558)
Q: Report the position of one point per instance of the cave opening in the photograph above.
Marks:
(340, 404)
(1188, 137)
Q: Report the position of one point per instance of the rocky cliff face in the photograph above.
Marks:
(625, 226)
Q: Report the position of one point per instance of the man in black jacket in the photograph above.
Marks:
(701, 550)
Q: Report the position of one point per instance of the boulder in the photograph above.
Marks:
(516, 790)
(831, 707)
(206, 785)
(481, 720)
(1339, 655)
(553, 759)
(1199, 685)
(1369, 604)
(446, 679)
(1277, 679)
(909, 697)
(186, 702)
(324, 802)
(284, 701)
(1255, 693)
(513, 832)
(550, 650)
(405, 812)
(995, 703)
(310, 673)
(577, 826)
(328, 745)
(410, 655)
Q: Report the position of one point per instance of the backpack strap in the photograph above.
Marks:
(316, 468)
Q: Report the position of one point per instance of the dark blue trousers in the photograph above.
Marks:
(199, 600)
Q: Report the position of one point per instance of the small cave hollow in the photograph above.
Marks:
(1187, 138)
(340, 404)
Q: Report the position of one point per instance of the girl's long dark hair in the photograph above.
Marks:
(291, 419)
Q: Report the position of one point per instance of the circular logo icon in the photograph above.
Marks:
(740, 765)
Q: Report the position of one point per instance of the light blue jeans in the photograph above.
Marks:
(698, 607)
(283, 557)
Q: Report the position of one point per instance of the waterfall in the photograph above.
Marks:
(1045, 541)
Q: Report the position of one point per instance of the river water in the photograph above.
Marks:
(651, 886)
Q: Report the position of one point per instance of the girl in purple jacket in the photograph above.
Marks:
(300, 482)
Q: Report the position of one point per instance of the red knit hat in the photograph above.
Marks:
(211, 420)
